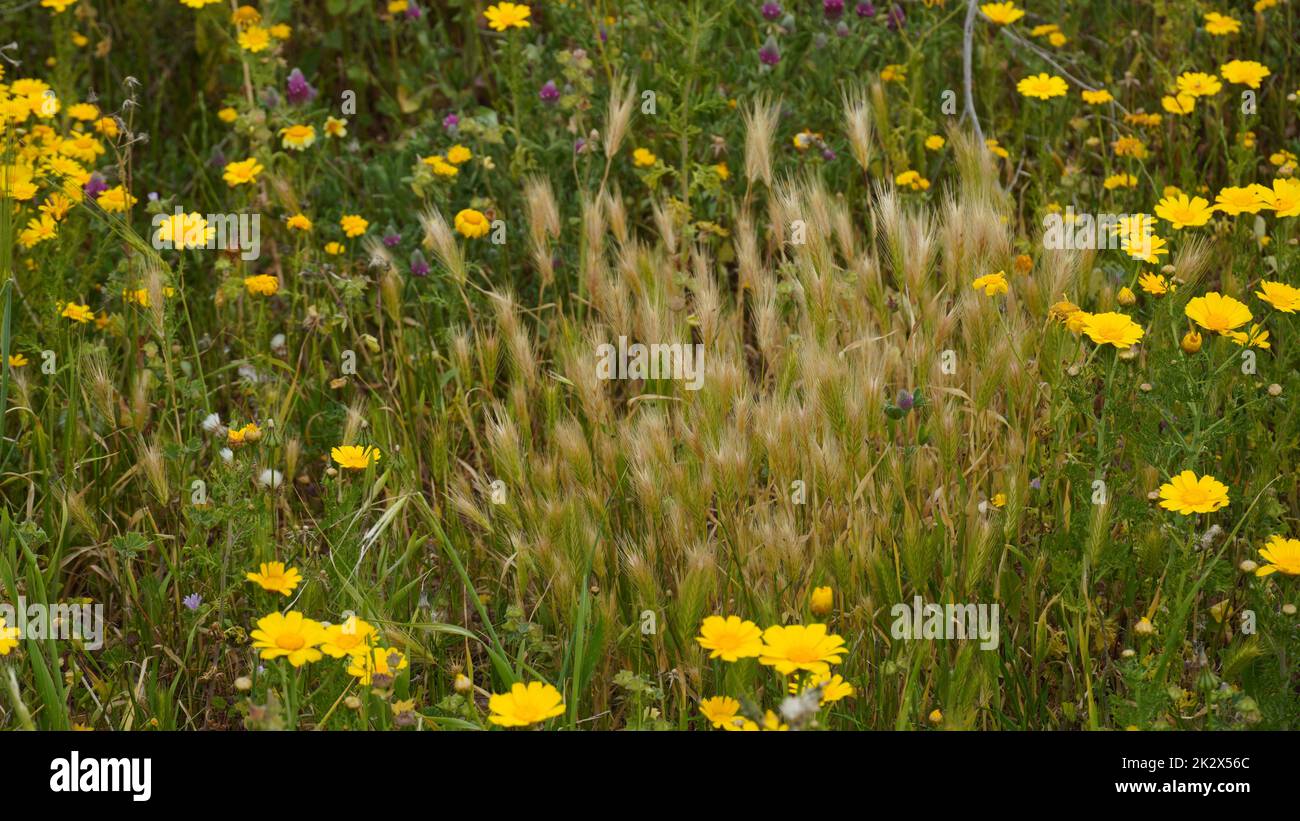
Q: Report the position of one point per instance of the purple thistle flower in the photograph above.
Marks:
(832, 9)
(298, 90)
(419, 267)
(1035, 483)
(865, 10)
(905, 400)
(451, 122)
(192, 601)
(578, 145)
(896, 18)
(769, 55)
(549, 93)
(772, 11)
(95, 186)
(392, 240)
(413, 12)
(828, 155)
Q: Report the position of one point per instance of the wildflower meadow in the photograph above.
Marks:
(709, 365)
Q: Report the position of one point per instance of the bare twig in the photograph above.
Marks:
(1047, 58)
(967, 47)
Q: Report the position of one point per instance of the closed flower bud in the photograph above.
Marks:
(1144, 627)
(1126, 297)
(1247, 566)
(1191, 342)
(822, 600)
(462, 683)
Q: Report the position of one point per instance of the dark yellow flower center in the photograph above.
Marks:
(290, 641)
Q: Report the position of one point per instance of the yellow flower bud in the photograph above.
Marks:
(822, 600)
(1191, 342)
